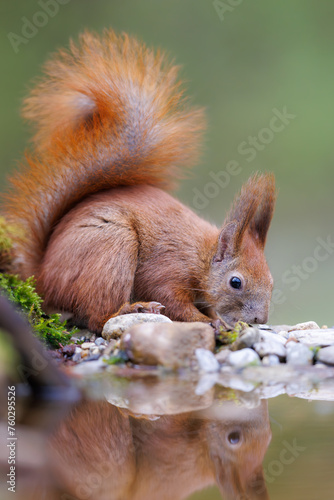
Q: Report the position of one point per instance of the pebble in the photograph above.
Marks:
(100, 341)
(247, 339)
(298, 354)
(275, 337)
(77, 357)
(326, 355)
(95, 350)
(206, 360)
(87, 345)
(68, 350)
(270, 347)
(244, 357)
(114, 327)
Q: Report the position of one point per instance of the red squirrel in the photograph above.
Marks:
(102, 236)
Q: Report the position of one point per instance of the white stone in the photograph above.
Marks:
(298, 354)
(206, 360)
(307, 325)
(114, 327)
(244, 357)
(87, 345)
(316, 337)
(270, 336)
(326, 355)
(270, 347)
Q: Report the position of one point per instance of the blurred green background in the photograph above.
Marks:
(241, 60)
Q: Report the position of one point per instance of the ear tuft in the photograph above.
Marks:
(253, 208)
(261, 221)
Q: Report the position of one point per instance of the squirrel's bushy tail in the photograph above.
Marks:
(108, 112)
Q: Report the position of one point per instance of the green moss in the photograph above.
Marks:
(228, 337)
(48, 328)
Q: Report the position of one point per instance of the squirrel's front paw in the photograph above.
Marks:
(141, 307)
(148, 307)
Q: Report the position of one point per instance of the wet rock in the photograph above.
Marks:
(314, 337)
(270, 347)
(172, 345)
(270, 360)
(114, 327)
(206, 360)
(326, 355)
(298, 354)
(244, 357)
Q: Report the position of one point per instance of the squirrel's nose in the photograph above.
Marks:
(261, 319)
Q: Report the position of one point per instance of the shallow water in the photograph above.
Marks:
(166, 437)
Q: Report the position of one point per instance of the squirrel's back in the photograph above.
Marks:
(108, 112)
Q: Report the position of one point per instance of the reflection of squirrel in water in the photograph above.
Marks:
(100, 231)
(168, 458)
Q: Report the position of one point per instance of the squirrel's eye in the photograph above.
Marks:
(235, 282)
(234, 437)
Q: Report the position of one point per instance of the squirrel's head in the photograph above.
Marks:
(240, 283)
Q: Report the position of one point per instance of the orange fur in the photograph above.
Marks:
(112, 124)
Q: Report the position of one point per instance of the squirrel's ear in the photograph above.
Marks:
(261, 221)
(253, 208)
(226, 242)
